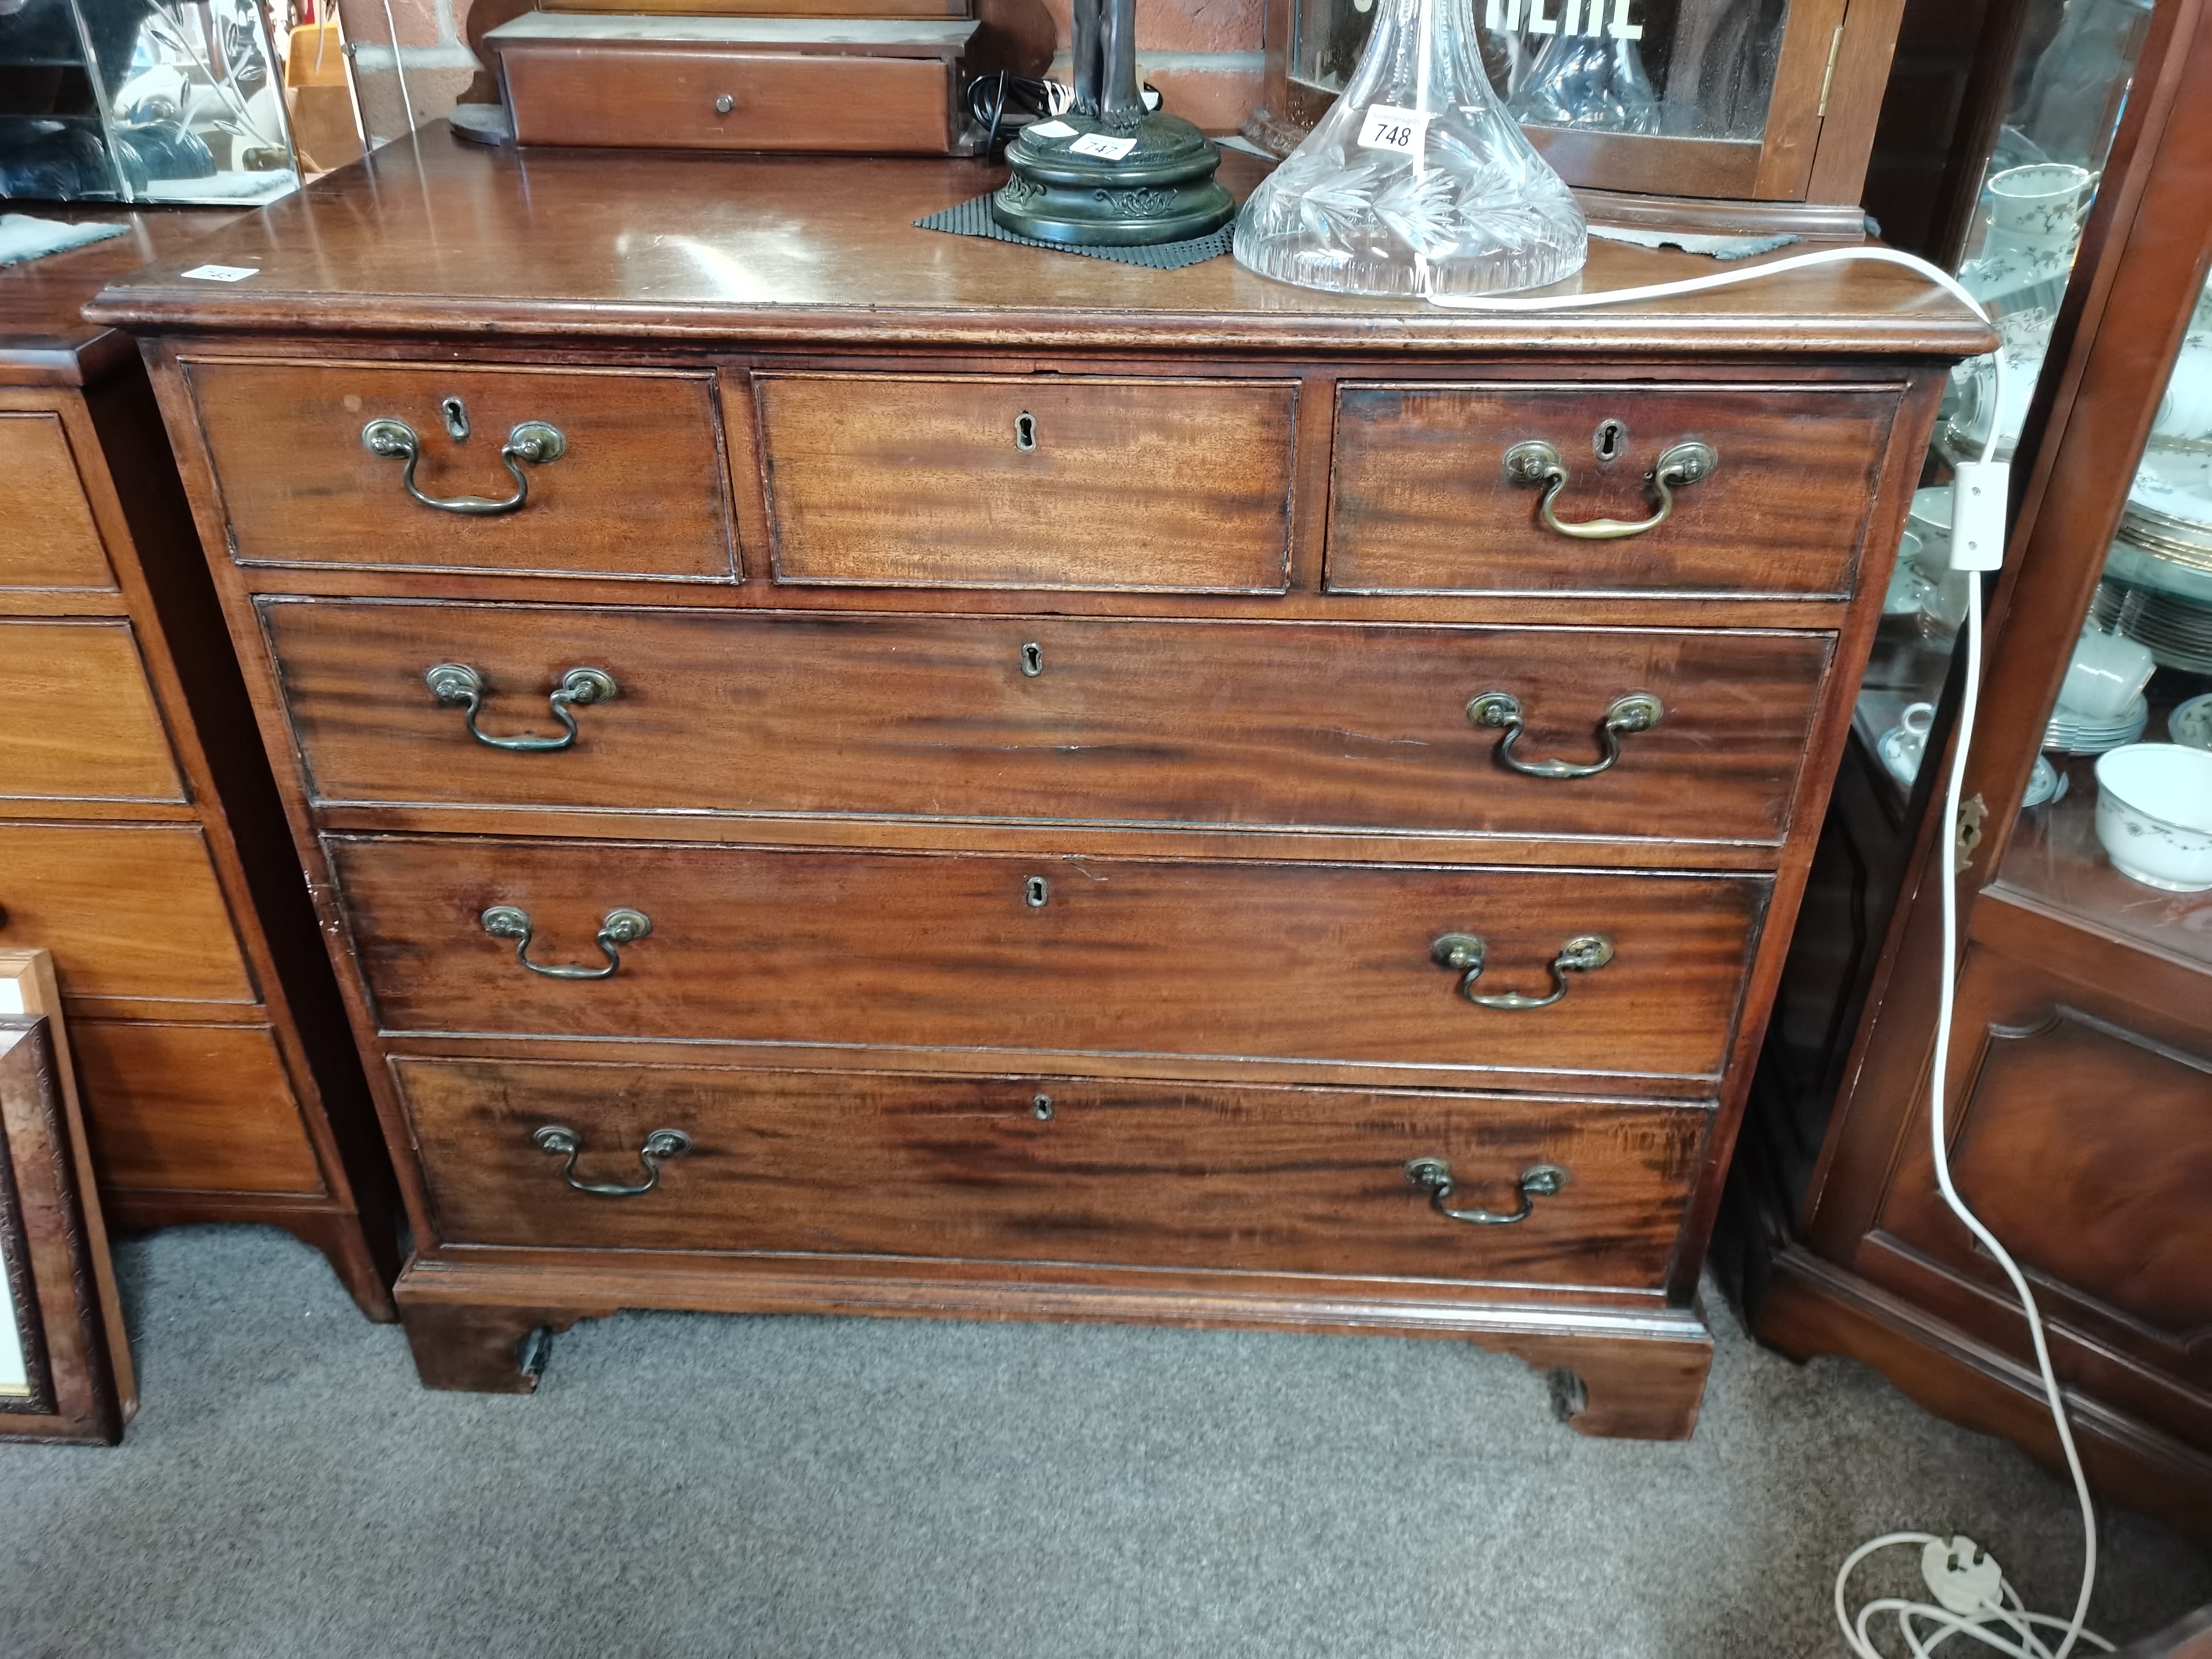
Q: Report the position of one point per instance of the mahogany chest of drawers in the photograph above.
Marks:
(853, 770)
(142, 843)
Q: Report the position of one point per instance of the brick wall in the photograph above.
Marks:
(1203, 55)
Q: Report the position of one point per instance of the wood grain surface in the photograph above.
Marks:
(640, 492)
(1421, 502)
(622, 94)
(1165, 723)
(1179, 485)
(1316, 962)
(96, 734)
(51, 539)
(1160, 1174)
(193, 1109)
(128, 912)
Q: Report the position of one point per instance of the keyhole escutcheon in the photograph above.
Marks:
(457, 417)
(1035, 892)
(1042, 1105)
(1025, 430)
(1611, 441)
(1032, 659)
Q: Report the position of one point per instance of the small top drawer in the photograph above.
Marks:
(452, 468)
(1002, 481)
(1423, 501)
(51, 539)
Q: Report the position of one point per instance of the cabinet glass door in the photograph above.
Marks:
(2069, 85)
(2116, 830)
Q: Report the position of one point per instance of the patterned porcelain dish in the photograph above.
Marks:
(2155, 814)
(2192, 723)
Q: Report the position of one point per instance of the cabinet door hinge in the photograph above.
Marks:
(1828, 75)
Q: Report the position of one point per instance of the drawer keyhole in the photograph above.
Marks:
(1042, 1107)
(1611, 440)
(1035, 892)
(1033, 660)
(457, 417)
(1025, 430)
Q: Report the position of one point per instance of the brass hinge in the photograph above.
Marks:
(1972, 813)
(1828, 75)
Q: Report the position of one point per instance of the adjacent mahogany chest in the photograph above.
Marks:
(141, 839)
(848, 770)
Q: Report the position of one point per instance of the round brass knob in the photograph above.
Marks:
(725, 104)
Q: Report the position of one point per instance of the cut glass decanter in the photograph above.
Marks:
(1417, 181)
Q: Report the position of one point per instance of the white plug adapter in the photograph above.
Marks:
(1963, 1577)
(1978, 493)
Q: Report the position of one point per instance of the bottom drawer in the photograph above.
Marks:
(1048, 1168)
(191, 1109)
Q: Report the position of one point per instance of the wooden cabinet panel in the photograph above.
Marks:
(639, 489)
(1164, 723)
(128, 913)
(1421, 502)
(1011, 481)
(192, 1107)
(1046, 1168)
(1317, 962)
(97, 735)
(666, 97)
(50, 540)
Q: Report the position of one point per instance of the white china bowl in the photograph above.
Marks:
(2155, 814)
(2192, 723)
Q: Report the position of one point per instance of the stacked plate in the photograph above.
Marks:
(2071, 733)
(2158, 576)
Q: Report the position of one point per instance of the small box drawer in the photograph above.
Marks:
(1051, 1170)
(707, 97)
(128, 913)
(1045, 719)
(99, 735)
(1421, 501)
(50, 540)
(637, 488)
(1004, 481)
(1013, 953)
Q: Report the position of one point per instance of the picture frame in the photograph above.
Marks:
(65, 1371)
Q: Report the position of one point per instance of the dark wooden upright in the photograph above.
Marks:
(1021, 815)
(141, 837)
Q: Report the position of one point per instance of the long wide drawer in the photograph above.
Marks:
(99, 735)
(1014, 481)
(1423, 499)
(635, 488)
(1050, 1169)
(1052, 720)
(129, 913)
(1324, 962)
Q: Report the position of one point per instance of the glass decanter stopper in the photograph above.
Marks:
(1590, 72)
(1417, 181)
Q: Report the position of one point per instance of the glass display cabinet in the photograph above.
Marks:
(1767, 105)
(2080, 1074)
(141, 100)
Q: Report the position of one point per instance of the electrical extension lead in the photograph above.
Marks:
(1974, 1598)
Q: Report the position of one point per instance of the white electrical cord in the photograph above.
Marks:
(1980, 1603)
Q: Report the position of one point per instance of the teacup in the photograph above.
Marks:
(2107, 674)
(2041, 203)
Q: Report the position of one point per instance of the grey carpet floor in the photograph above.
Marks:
(792, 1487)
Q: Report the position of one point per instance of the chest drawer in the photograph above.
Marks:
(131, 913)
(990, 480)
(1050, 1169)
(1422, 501)
(50, 540)
(711, 97)
(631, 483)
(1325, 963)
(1047, 719)
(97, 735)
